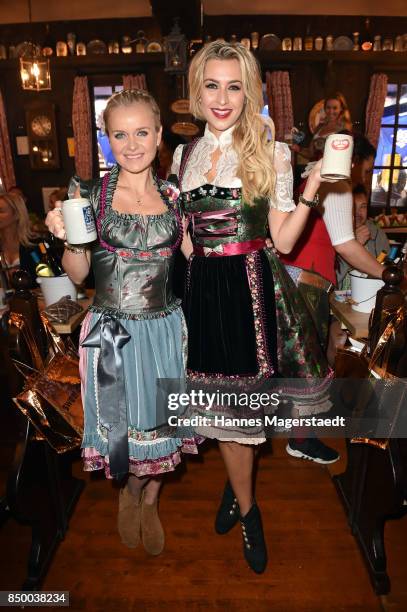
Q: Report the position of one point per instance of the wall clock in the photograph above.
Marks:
(42, 137)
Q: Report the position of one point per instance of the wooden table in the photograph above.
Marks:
(356, 322)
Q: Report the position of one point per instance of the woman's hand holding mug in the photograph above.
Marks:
(55, 221)
(73, 220)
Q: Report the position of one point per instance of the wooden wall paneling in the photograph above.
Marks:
(104, 29)
(301, 25)
(298, 7)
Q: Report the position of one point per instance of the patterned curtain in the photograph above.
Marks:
(375, 107)
(82, 128)
(280, 102)
(6, 160)
(134, 81)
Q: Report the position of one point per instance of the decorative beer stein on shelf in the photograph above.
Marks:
(287, 44)
(71, 42)
(318, 43)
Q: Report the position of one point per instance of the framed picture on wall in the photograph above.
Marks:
(22, 145)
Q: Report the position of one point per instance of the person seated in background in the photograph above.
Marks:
(37, 225)
(311, 264)
(366, 233)
(336, 119)
(17, 239)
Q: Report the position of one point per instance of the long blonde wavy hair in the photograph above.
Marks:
(24, 232)
(345, 113)
(253, 136)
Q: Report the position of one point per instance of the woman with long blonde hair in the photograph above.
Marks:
(336, 118)
(246, 322)
(16, 237)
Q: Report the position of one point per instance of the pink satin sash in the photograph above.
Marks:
(232, 248)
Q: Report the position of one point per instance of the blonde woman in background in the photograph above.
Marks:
(246, 322)
(16, 237)
(336, 118)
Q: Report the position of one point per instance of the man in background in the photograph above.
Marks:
(366, 233)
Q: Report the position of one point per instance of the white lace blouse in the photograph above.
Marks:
(200, 163)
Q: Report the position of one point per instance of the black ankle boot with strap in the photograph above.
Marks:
(254, 545)
(228, 513)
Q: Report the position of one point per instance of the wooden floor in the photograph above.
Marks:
(314, 566)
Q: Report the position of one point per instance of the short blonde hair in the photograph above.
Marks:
(127, 97)
(253, 136)
(16, 202)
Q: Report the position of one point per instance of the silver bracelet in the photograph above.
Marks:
(74, 249)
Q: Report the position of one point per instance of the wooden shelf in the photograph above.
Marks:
(83, 62)
(370, 57)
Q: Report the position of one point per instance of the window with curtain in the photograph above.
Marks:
(389, 181)
(101, 94)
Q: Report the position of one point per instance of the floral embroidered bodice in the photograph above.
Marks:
(199, 165)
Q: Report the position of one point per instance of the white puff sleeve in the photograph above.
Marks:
(283, 195)
(337, 204)
(176, 160)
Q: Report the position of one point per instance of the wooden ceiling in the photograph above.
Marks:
(299, 7)
(17, 11)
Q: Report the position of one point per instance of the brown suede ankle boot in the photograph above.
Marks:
(129, 517)
(152, 533)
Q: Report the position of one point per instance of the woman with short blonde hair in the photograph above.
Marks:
(134, 333)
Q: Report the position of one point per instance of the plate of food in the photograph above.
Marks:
(393, 220)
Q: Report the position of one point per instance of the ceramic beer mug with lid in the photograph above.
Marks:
(337, 159)
(79, 221)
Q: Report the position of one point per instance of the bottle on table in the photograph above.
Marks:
(41, 268)
(49, 256)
